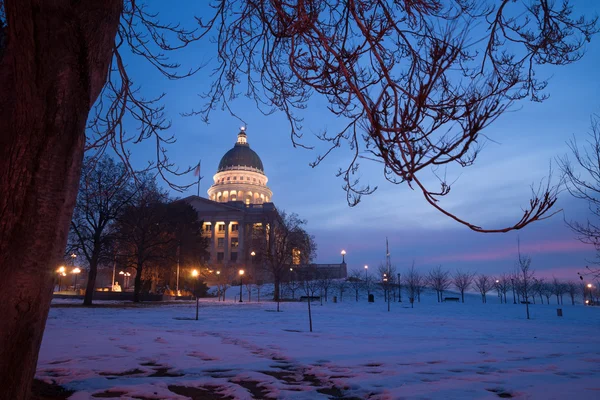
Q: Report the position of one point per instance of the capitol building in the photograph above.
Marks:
(240, 203)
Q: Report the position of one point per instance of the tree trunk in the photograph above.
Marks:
(309, 315)
(276, 284)
(91, 283)
(137, 285)
(462, 295)
(52, 68)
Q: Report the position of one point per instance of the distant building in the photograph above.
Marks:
(238, 202)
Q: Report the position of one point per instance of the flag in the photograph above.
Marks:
(197, 171)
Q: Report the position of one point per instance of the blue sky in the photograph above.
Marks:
(491, 193)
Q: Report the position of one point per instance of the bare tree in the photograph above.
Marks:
(484, 284)
(42, 125)
(294, 284)
(325, 282)
(572, 289)
(462, 281)
(526, 280)
(249, 284)
(341, 285)
(104, 190)
(277, 245)
(439, 280)
(309, 287)
(586, 187)
(504, 285)
(558, 289)
(414, 282)
(355, 280)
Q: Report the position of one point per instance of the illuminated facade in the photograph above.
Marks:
(238, 215)
(239, 202)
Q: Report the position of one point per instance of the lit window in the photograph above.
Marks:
(221, 227)
(234, 227)
(234, 242)
(208, 228)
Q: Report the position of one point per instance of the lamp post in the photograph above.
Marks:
(399, 290)
(76, 272)
(241, 273)
(343, 256)
(387, 290)
(61, 273)
(367, 278)
(589, 286)
(195, 275)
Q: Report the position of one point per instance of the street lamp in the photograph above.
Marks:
(343, 256)
(367, 278)
(76, 272)
(252, 253)
(195, 274)
(61, 273)
(241, 272)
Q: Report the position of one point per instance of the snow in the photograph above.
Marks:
(247, 350)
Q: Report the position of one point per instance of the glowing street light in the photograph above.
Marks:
(343, 255)
(196, 274)
(241, 273)
(61, 272)
(126, 276)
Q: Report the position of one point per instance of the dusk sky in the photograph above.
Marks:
(490, 193)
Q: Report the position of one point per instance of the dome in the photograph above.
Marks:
(241, 156)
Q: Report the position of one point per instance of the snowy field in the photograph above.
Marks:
(357, 350)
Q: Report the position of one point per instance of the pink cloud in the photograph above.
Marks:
(545, 247)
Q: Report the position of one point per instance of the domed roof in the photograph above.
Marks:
(241, 156)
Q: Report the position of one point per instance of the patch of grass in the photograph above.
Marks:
(256, 391)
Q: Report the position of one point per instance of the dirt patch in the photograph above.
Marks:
(501, 393)
(163, 372)
(109, 395)
(199, 393)
(135, 371)
(41, 390)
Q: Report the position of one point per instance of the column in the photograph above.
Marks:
(227, 246)
(213, 242)
(241, 247)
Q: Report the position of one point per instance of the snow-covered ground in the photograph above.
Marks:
(357, 350)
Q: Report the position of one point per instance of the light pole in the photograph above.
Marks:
(61, 273)
(367, 279)
(76, 272)
(589, 286)
(343, 256)
(399, 290)
(498, 290)
(387, 291)
(195, 275)
(241, 272)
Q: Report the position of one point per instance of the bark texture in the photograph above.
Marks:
(52, 68)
